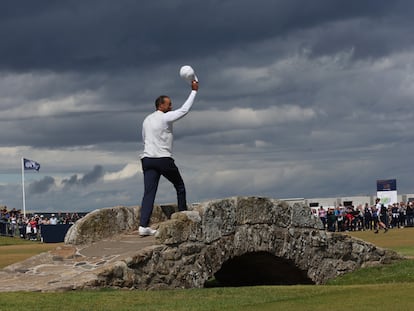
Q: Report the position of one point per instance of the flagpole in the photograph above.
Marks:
(24, 199)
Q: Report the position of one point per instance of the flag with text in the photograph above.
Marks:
(31, 165)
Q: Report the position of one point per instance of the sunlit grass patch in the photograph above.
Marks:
(398, 272)
(13, 250)
(5, 240)
(400, 240)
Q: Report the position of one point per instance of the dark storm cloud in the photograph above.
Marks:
(71, 181)
(41, 186)
(99, 35)
(147, 40)
(297, 98)
(72, 130)
(87, 179)
(92, 176)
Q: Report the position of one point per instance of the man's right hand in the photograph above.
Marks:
(194, 85)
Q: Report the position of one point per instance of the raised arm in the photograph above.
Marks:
(174, 115)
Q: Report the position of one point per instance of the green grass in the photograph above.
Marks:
(404, 250)
(399, 272)
(5, 240)
(355, 297)
(16, 249)
(400, 240)
(354, 291)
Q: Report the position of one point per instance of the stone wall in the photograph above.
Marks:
(107, 222)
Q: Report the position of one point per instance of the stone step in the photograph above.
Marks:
(71, 267)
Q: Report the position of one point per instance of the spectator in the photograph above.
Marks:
(340, 212)
(322, 216)
(53, 220)
(376, 213)
(349, 218)
(402, 211)
(367, 217)
(331, 220)
(359, 218)
(395, 214)
(13, 224)
(410, 214)
(22, 226)
(384, 215)
(31, 229)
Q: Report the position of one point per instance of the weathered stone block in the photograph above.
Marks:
(107, 222)
(182, 227)
(218, 219)
(303, 217)
(101, 224)
(172, 254)
(259, 210)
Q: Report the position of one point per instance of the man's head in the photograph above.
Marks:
(163, 103)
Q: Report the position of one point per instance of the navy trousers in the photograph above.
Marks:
(153, 168)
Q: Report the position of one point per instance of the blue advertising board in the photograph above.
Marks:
(387, 185)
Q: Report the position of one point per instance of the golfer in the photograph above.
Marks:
(156, 160)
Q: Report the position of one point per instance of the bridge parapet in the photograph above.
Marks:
(212, 220)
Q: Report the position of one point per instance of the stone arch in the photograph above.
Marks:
(195, 245)
(217, 232)
(260, 268)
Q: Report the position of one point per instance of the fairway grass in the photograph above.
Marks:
(286, 298)
(400, 240)
(400, 272)
(6, 240)
(13, 250)
(388, 287)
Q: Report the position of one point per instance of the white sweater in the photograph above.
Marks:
(157, 130)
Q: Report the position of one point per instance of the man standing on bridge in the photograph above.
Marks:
(156, 160)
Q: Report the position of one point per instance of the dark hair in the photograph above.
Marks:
(160, 100)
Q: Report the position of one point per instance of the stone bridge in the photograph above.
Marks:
(235, 241)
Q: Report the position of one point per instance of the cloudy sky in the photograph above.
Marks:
(297, 98)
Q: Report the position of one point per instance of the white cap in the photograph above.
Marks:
(188, 74)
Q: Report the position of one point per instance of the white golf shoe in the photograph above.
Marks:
(145, 231)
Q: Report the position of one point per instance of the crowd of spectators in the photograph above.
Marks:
(338, 219)
(13, 223)
(367, 217)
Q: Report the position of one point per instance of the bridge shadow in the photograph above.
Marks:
(258, 268)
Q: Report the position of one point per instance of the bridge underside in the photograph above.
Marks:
(260, 268)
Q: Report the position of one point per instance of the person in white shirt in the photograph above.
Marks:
(156, 160)
(53, 220)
